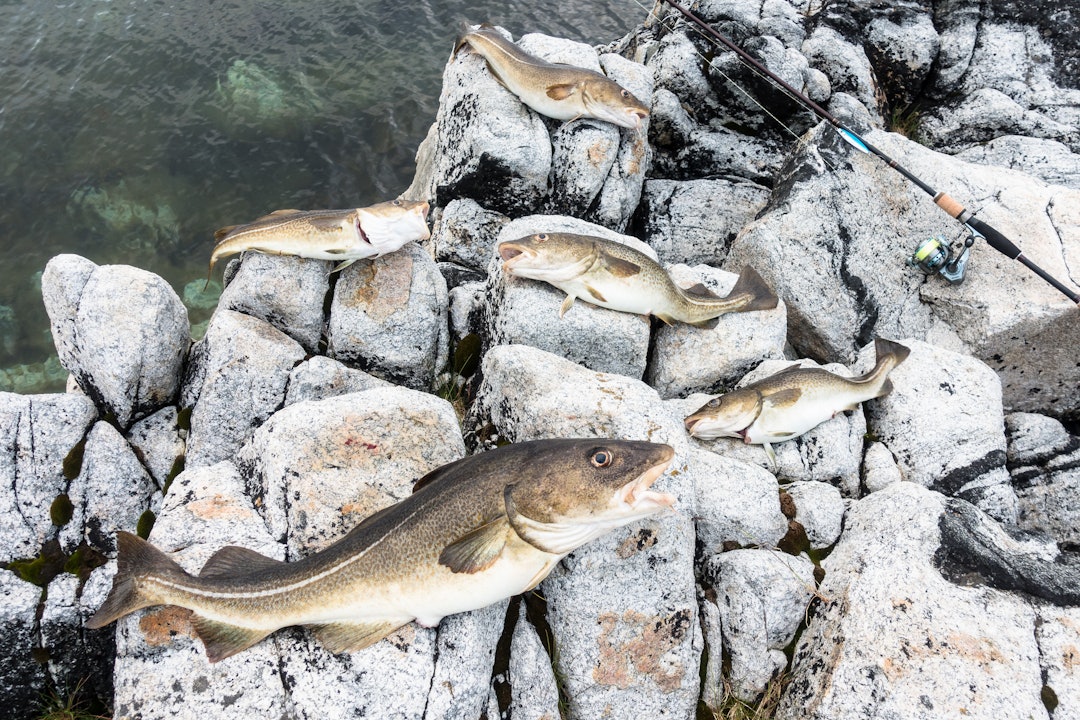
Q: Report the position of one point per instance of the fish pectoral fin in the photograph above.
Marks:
(342, 265)
(782, 399)
(477, 549)
(619, 267)
(566, 304)
(223, 640)
(595, 294)
(234, 560)
(342, 637)
(561, 91)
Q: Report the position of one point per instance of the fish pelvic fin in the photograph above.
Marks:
(771, 454)
(760, 293)
(709, 324)
(223, 640)
(477, 549)
(342, 265)
(135, 558)
(566, 304)
(342, 637)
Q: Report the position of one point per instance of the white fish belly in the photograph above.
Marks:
(617, 296)
(777, 425)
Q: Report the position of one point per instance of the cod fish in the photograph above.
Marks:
(793, 401)
(473, 532)
(563, 92)
(342, 235)
(612, 275)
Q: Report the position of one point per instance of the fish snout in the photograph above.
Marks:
(636, 116)
(690, 423)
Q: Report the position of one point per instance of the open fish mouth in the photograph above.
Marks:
(512, 254)
(637, 494)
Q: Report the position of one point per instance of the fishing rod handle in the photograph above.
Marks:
(946, 202)
(994, 238)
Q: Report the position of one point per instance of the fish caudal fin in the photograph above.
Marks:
(135, 558)
(760, 293)
(889, 355)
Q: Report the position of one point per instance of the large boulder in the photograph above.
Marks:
(236, 380)
(287, 292)
(896, 639)
(121, 331)
(388, 317)
(41, 445)
(1044, 463)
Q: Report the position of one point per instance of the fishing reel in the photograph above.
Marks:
(936, 256)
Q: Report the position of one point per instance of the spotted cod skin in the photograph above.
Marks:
(563, 92)
(342, 235)
(615, 276)
(793, 401)
(473, 532)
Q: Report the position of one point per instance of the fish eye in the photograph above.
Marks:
(542, 237)
(625, 93)
(715, 402)
(398, 203)
(601, 458)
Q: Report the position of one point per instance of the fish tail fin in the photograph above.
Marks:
(761, 294)
(135, 558)
(889, 355)
(462, 39)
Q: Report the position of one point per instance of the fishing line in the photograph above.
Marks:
(749, 96)
(976, 227)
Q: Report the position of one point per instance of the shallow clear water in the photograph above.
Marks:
(131, 130)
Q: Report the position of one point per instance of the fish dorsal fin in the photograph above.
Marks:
(223, 640)
(234, 560)
(561, 91)
(349, 637)
(220, 233)
(434, 475)
(477, 549)
(619, 267)
(698, 290)
(276, 215)
(781, 399)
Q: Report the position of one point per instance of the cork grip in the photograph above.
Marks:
(946, 203)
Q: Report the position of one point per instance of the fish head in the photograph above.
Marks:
(387, 226)
(607, 100)
(552, 257)
(728, 415)
(573, 491)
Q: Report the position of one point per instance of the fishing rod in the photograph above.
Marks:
(931, 256)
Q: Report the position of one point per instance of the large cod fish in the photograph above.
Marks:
(563, 92)
(793, 401)
(612, 275)
(473, 532)
(342, 235)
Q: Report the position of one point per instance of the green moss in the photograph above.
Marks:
(83, 561)
(73, 460)
(1049, 698)
(176, 469)
(61, 510)
(145, 524)
(183, 419)
(43, 568)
